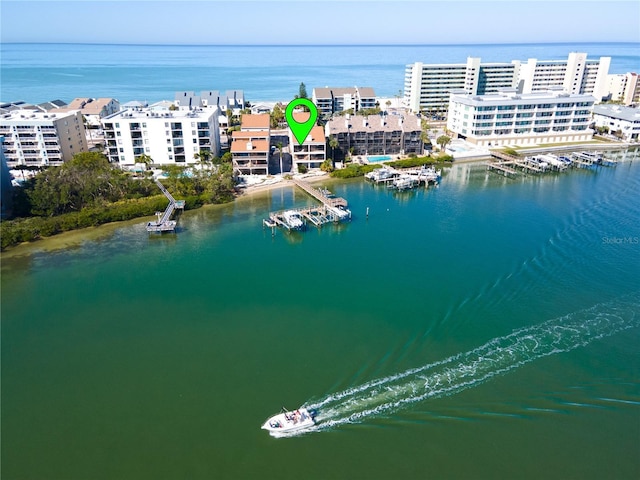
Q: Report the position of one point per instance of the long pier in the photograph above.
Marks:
(164, 223)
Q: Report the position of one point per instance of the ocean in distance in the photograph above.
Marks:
(484, 329)
(37, 73)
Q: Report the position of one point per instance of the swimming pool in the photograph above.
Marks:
(378, 158)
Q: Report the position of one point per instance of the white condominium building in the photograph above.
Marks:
(330, 100)
(624, 88)
(427, 86)
(509, 118)
(41, 138)
(576, 74)
(168, 135)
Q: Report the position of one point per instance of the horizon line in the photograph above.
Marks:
(316, 44)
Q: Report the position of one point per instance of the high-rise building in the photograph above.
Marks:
(427, 86)
(624, 88)
(576, 74)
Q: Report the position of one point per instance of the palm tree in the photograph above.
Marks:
(443, 141)
(398, 95)
(424, 135)
(204, 156)
(279, 145)
(144, 159)
(333, 144)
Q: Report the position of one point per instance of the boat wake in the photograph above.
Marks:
(466, 370)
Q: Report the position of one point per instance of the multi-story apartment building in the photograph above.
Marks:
(41, 138)
(427, 86)
(624, 88)
(230, 100)
(250, 145)
(168, 135)
(625, 120)
(375, 135)
(509, 118)
(576, 74)
(330, 100)
(6, 187)
(313, 151)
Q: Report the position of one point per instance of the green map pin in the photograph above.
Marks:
(301, 129)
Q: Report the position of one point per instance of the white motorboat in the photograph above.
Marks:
(380, 174)
(293, 219)
(340, 213)
(290, 421)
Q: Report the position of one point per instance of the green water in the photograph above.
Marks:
(129, 356)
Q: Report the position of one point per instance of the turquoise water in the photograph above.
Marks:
(378, 158)
(487, 328)
(42, 72)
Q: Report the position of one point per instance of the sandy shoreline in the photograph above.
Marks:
(280, 182)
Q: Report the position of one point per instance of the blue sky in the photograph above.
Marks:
(242, 22)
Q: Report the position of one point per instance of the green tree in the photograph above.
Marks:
(88, 179)
(204, 156)
(146, 160)
(443, 141)
(326, 166)
(276, 116)
(302, 91)
(333, 144)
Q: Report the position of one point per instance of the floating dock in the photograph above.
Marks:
(164, 222)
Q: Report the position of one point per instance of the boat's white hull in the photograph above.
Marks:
(289, 421)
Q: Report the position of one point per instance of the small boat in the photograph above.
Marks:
(293, 219)
(287, 421)
(340, 213)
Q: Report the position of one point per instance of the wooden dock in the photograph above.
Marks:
(320, 195)
(317, 216)
(164, 222)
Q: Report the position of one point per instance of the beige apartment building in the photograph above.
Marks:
(42, 138)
